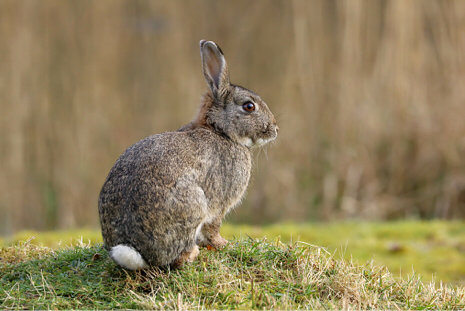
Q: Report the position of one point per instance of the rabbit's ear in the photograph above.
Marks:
(215, 68)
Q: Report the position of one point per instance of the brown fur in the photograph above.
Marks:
(169, 192)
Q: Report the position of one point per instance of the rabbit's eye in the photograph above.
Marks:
(248, 106)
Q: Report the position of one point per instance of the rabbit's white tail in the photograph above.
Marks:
(128, 257)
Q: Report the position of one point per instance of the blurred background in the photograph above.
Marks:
(369, 97)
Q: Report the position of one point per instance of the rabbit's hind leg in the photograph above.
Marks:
(187, 256)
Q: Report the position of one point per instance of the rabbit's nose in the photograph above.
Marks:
(277, 129)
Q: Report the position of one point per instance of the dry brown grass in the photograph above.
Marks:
(369, 95)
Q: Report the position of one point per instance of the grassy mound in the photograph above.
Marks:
(434, 249)
(247, 274)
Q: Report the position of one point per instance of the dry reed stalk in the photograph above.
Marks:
(370, 97)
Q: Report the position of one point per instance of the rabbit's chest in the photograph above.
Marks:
(226, 179)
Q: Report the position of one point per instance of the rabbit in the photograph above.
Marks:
(167, 194)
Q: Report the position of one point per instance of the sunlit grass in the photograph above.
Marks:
(435, 249)
(246, 274)
(54, 239)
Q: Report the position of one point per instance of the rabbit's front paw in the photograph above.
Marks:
(217, 242)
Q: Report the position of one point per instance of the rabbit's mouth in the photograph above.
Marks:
(268, 136)
(261, 141)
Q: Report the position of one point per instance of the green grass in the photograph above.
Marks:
(246, 274)
(434, 249)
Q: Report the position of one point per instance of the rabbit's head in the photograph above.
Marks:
(232, 110)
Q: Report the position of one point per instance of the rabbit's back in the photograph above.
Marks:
(164, 186)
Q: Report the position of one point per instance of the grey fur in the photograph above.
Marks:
(162, 188)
